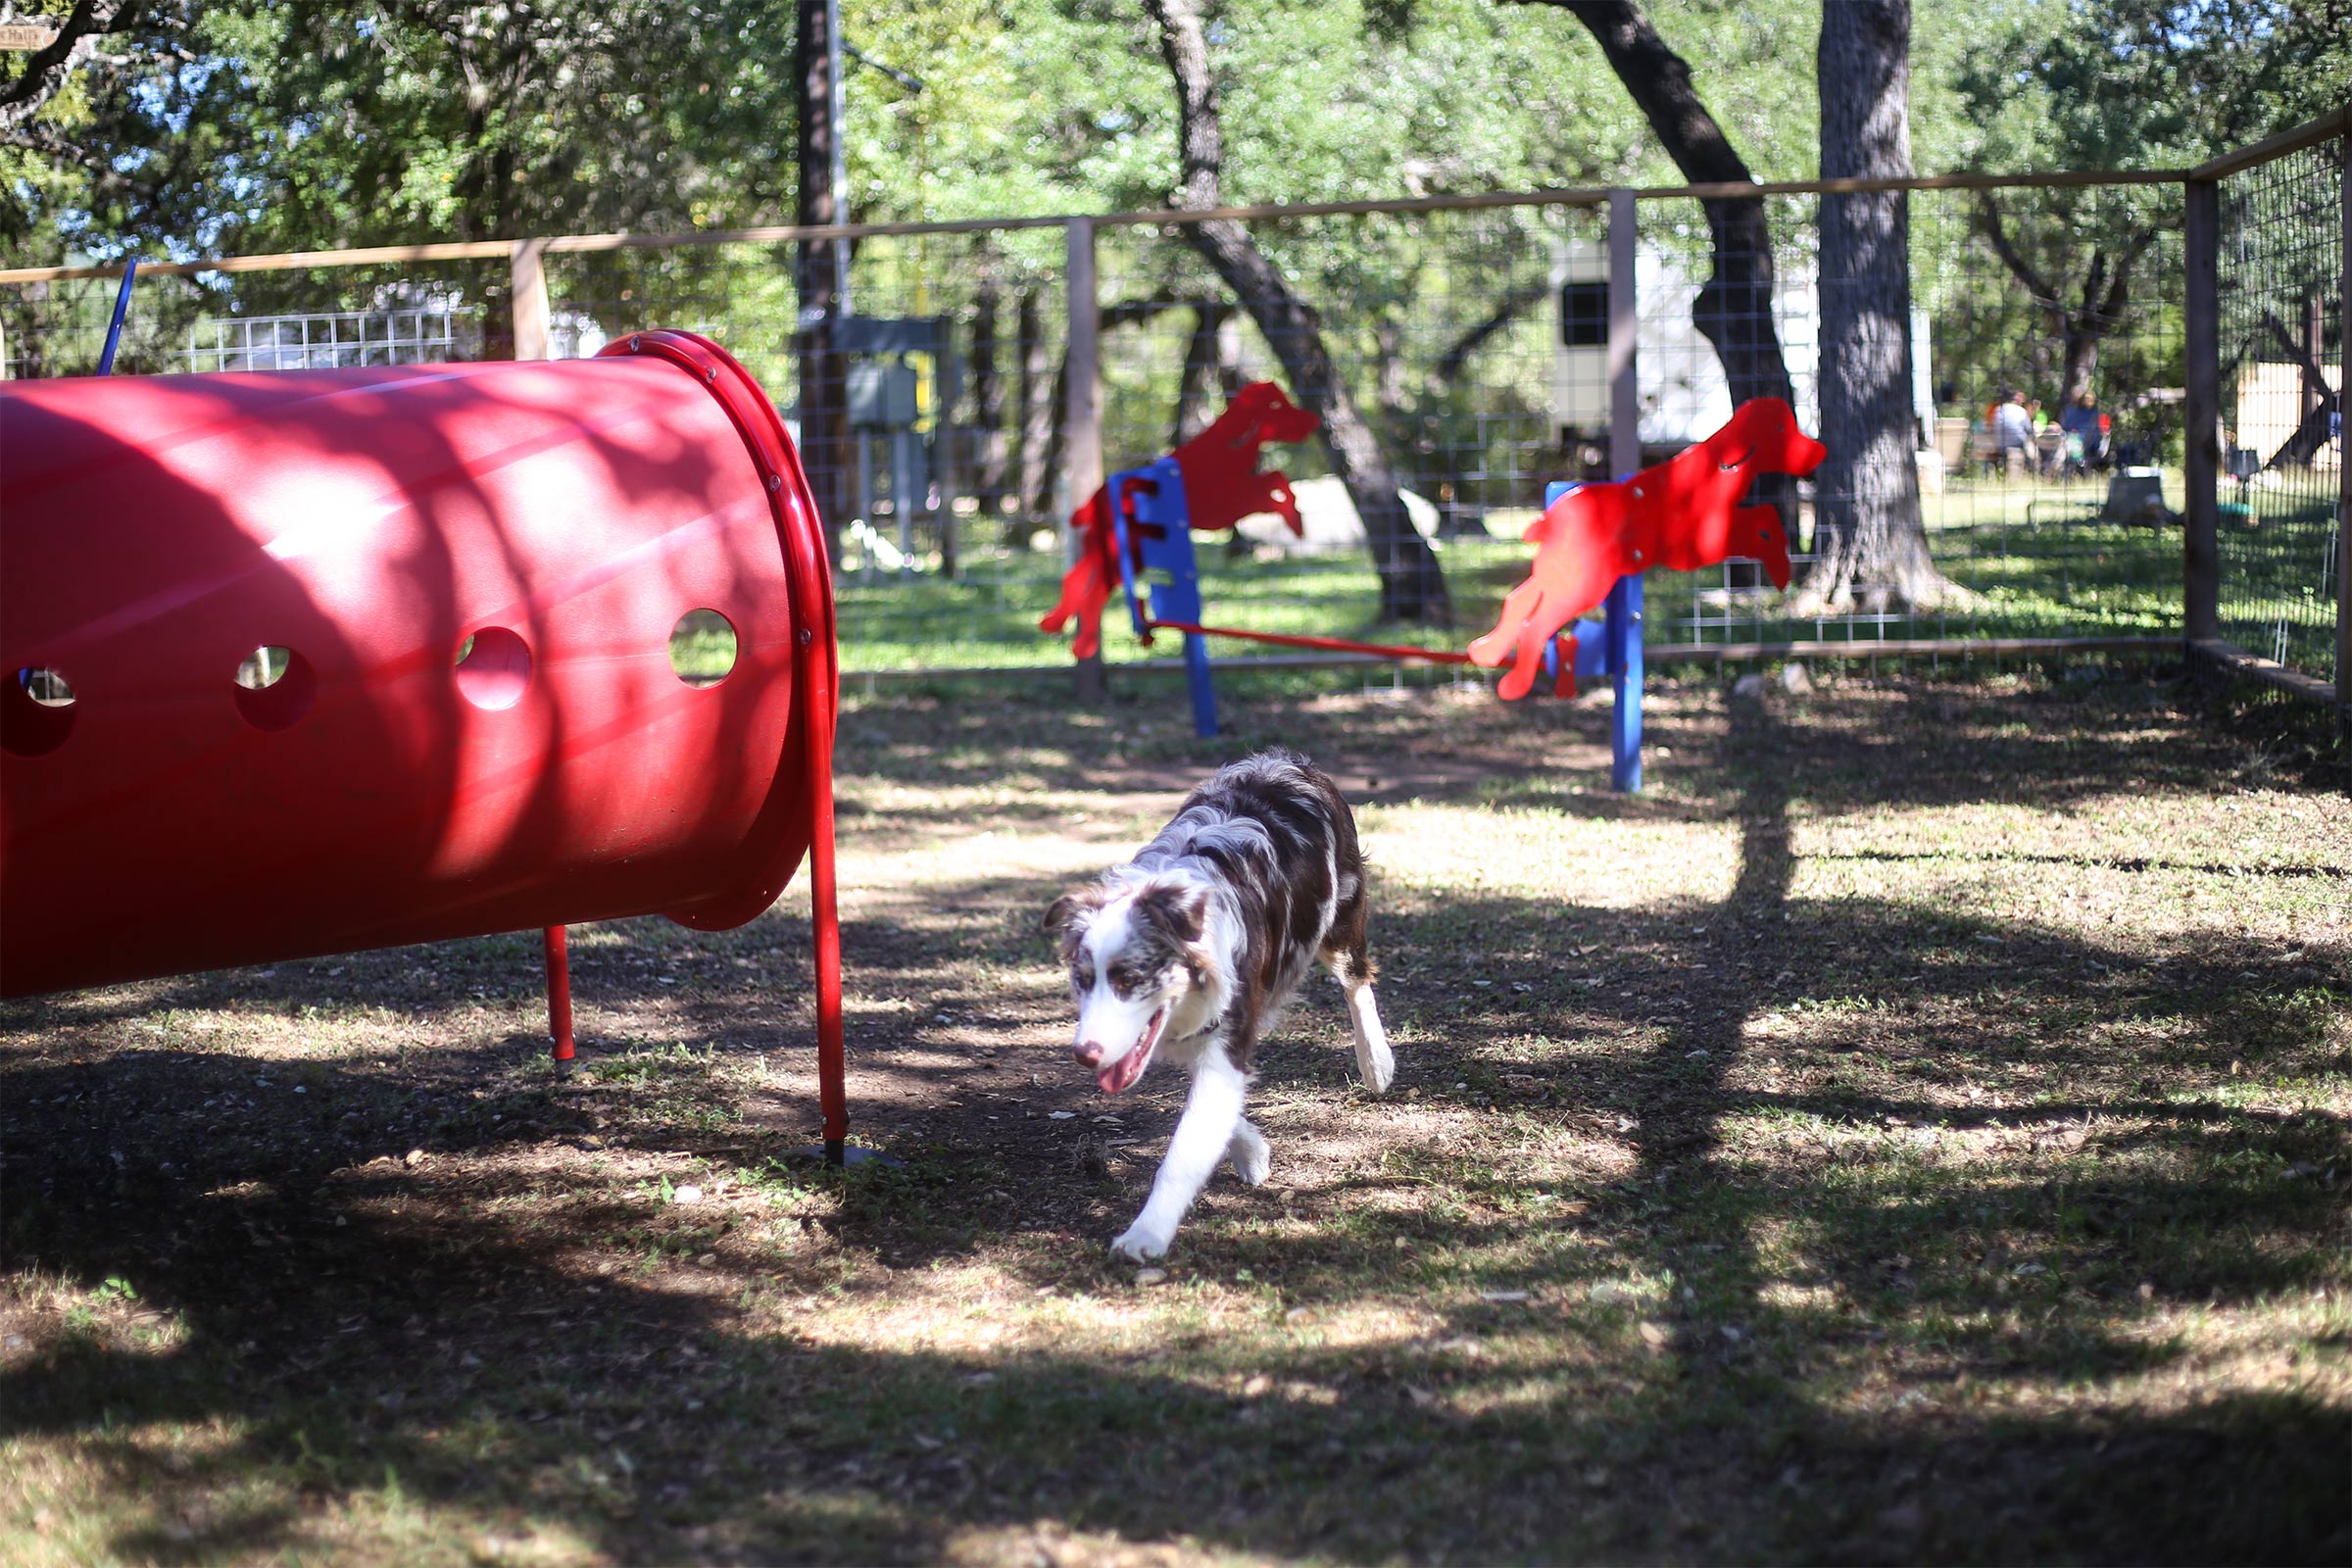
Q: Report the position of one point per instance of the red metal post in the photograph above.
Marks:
(825, 926)
(559, 993)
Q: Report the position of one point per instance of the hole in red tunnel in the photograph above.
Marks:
(263, 668)
(275, 687)
(494, 666)
(36, 710)
(701, 646)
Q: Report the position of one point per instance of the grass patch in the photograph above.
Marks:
(2035, 556)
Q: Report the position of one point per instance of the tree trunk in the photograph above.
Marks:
(1734, 310)
(1040, 405)
(1231, 376)
(2081, 365)
(823, 371)
(1202, 360)
(1412, 588)
(2320, 401)
(1869, 544)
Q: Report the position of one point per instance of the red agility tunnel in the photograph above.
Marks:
(473, 572)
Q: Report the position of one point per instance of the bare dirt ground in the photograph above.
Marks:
(1916, 1127)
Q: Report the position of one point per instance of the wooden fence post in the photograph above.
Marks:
(1082, 405)
(529, 299)
(1625, 326)
(2343, 458)
(2200, 559)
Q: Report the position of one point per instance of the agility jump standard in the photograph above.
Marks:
(1593, 544)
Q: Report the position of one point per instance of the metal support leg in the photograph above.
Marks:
(558, 995)
(1204, 688)
(825, 930)
(1623, 634)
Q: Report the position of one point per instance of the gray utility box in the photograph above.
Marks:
(882, 395)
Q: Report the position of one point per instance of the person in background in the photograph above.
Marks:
(2085, 432)
(2049, 443)
(2012, 432)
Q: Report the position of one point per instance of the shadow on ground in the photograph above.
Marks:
(1760, 1228)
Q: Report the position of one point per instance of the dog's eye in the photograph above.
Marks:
(1084, 975)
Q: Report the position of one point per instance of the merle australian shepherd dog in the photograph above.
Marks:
(1187, 953)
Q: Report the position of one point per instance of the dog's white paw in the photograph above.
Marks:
(1137, 1244)
(1377, 1065)
(1251, 1159)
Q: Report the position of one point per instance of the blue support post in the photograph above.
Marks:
(114, 328)
(1615, 652)
(1166, 545)
(1625, 671)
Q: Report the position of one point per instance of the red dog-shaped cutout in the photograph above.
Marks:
(1221, 486)
(1679, 514)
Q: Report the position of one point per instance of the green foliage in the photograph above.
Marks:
(2147, 83)
(262, 124)
(251, 126)
(2061, 85)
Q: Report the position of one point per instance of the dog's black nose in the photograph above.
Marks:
(1088, 1054)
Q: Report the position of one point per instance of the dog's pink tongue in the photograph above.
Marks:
(1120, 1074)
(1116, 1078)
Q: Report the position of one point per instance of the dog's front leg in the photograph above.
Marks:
(1212, 1114)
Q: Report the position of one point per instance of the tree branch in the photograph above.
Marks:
(1989, 224)
(2315, 378)
(1733, 311)
(1512, 305)
(48, 67)
(1658, 80)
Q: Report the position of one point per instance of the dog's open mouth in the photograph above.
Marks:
(1121, 1074)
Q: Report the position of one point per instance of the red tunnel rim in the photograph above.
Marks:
(807, 757)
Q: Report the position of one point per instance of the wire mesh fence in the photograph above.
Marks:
(2032, 348)
(2281, 358)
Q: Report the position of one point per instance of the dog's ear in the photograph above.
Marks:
(1066, 916)
(1178, 914)
(1174, 908)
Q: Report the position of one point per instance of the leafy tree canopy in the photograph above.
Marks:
(211, 125)
(2145, 83)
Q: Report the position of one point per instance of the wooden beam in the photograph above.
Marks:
(784, 233)
(2328, 127)
(1625, 327)
(286, 261)
(1655, 652)
(2268, 671)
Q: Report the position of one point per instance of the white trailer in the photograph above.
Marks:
(1683, 394)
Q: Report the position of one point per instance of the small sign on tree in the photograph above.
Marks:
(25, 36)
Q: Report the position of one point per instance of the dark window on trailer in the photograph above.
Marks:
(1585, 316)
